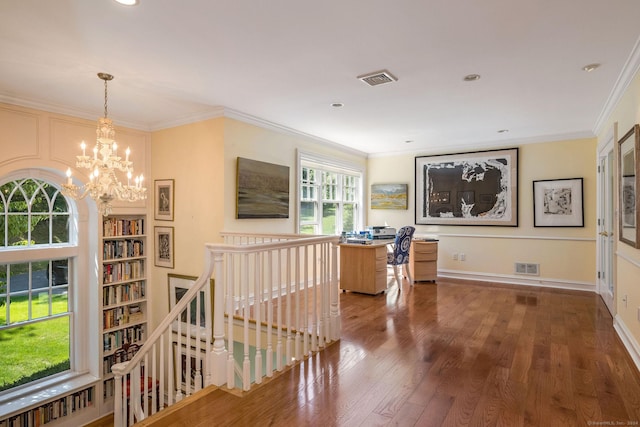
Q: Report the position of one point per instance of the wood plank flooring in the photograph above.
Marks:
(451, 354)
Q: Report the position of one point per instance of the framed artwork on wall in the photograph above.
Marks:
(164, 199)
(389, 196)
(558, 203)
(178, 287)
(262, 190)
(475, 188)
(164, 256)
(629, 187)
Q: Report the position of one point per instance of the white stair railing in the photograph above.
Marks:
(281, 292)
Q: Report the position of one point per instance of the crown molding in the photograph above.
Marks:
(625, 78)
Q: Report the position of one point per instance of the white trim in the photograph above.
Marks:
(628, 340)
(627, 258)
(501, 236)
(331, 164)
(517, 280)
(629, 71)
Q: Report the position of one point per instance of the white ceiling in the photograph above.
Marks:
(283, 62)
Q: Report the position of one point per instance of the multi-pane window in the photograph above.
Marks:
(329, 200)
(35, 305)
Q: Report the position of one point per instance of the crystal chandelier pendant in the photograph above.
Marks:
(104, 166)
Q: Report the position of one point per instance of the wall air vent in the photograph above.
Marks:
(378, 78)
(525, 268)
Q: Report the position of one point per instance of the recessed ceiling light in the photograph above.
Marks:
(337, 104)
(589, 68)
(471, 77)
(128, 2)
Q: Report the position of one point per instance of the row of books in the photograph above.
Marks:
(52, 411)
(114, 249)
(121, 316)
(117, 357)
(120, 271)
(114, 227)
(116, 339)
(122, 293)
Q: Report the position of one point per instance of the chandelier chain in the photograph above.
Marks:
(105, 98)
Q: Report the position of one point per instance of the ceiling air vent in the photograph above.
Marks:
(378, 78)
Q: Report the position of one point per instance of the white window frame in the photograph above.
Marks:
(83, 329)
(327, 164)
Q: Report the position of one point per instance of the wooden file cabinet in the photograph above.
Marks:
(423, 259)
(363, 268)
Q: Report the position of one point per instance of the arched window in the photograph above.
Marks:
(37, 249)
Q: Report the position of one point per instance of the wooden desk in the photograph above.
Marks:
(363, 268)
(423, 260)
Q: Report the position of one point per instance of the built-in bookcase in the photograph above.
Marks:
(60, 411)
(124, 294)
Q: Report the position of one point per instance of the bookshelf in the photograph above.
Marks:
(124, 290)
(57, 411)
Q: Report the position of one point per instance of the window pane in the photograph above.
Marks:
(40, 202)
(3, 242)
(60, 300)
(60, 229)
(60, 204)
(308, 229)
(3, 294)
(59, 272)
(329, 218)
(307, 211)
(18, 307)
(39, 304)
(348, 217)
(37, 351)
(17, 202)
(18, 228)
(40, 229)
(39, 275)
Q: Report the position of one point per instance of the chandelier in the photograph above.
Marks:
(104, 167)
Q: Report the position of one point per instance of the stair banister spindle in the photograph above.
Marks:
(296, 284)
(258, 315)
(269, 355)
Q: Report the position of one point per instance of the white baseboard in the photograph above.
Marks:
(518, 280)
(628, 340)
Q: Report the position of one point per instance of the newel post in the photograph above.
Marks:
(219, 353)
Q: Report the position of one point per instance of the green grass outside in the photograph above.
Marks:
(37, 350)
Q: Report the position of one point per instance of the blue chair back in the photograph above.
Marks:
(400, 254)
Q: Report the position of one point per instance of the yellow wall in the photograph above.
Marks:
(257, 143)
(193, 156)
(566, 255)
(627, 260)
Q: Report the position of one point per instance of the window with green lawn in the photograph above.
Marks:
(330, 198)
(35, 293)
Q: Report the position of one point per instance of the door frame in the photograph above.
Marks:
(605, 230)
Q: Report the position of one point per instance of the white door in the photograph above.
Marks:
(605, 240)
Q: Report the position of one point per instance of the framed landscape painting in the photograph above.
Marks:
(475, 188)
(389, 196)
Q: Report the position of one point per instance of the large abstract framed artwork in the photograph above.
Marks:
(476, 188)
(262, 190)
(558, 203)
(629, 186)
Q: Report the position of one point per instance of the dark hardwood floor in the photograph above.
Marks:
(451, 354)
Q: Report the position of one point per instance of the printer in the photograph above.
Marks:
(381, 232)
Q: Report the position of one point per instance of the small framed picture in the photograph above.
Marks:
(164, 199)
(164, 256)
(558, 203)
